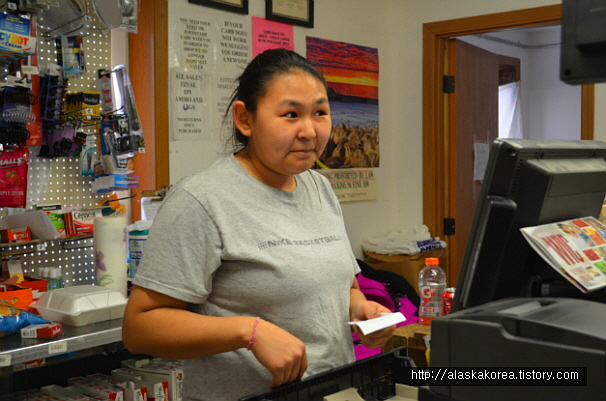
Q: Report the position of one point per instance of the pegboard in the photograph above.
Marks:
(59, 180)
(75, 257)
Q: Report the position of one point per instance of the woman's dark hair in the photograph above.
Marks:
(253, 82)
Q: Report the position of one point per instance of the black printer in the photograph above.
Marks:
(523, 334)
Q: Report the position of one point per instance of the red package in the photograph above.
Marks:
(13, 177)
(42, 330)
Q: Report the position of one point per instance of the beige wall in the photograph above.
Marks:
(395, 28)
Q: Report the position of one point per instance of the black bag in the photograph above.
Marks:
(397, 285)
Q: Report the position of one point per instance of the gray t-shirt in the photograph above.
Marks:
(231, 246)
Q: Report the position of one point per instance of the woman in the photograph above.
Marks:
(247, 273)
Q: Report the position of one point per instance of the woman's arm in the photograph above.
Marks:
(159, 325)
(362, 309)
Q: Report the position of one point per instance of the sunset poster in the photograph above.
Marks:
(352, 75)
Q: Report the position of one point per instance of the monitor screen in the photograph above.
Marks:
(527, 183)
(583, 42)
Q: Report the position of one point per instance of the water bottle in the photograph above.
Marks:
(432, 282)
(54, 279)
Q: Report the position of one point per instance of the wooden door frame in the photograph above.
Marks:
(436, 160)
(148, 65)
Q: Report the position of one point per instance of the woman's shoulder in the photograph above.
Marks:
(212, 178)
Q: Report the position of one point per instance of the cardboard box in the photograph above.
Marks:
(11, 268)
(55, 215)
(132, 392)
(158, 371)
(38, 286)
(16, 234)
(411, 336)
(37, 220)
(19, 296)
(94, 387)
(407, 266)
(81, 222)
(43, 330)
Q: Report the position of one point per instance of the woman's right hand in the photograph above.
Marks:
(282, 354)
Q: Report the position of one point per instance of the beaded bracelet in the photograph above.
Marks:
(254, 332)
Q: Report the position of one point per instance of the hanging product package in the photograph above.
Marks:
(13, 177)
(129, 138)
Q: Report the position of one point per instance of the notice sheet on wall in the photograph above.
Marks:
(209, 50)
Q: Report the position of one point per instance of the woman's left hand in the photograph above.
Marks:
(369, 310)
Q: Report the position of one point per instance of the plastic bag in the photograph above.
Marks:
(13, 319)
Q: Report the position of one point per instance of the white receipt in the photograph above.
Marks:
(378, 323)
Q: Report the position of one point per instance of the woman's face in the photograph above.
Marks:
(290, 128)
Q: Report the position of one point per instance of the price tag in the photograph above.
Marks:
(59, 347)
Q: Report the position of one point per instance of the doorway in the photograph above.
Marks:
(439, 160)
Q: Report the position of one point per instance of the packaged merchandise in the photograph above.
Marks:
(18, 296)
(13, 319)
(16, 234)
(157, 370)
(70, 55)
(81, 222)
(137, 235)
(71, 393)
(149, 389)
(37, 284)
(13, 177)
(55, 214)
(91, 386)
(44, 330)
(15, 39)
(132, 392)
(37, 220)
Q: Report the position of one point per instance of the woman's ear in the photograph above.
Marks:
(242, 118)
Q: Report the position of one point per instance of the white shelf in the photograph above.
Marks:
(15, 350)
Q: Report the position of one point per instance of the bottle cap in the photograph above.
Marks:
(432, 261)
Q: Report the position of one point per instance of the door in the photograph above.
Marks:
(437, 166)
(474, 125)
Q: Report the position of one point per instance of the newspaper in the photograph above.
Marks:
(575, 248)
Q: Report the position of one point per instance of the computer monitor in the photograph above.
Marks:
(583, 42)
(527, 183)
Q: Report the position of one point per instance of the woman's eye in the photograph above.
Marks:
(320, 113)
(291, 114)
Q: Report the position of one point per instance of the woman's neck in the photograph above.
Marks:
(267, 177)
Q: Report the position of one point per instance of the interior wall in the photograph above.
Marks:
(395, 27)
(544, 98)
(555, 106)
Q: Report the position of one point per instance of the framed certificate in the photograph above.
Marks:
(296, 12)
(237, 6)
